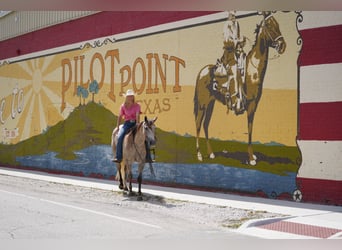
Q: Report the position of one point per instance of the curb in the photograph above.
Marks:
(260, 222)
(286, 208)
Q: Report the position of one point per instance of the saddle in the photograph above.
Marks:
(220, 87)
(132, 131)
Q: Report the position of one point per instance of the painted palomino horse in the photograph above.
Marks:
(134, 150)
(267, 35)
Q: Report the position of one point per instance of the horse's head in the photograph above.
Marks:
(149, 128)
(274, 38)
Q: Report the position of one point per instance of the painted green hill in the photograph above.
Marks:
(275, 159)
(92, 124)
(87, 125)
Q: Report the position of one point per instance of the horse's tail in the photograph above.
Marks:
(112, 143)
(196, 96)
(117, 177)
(203, 78)
(196, 104)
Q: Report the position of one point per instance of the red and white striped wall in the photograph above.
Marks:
(319, 178)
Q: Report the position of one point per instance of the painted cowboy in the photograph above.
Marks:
(233, 60)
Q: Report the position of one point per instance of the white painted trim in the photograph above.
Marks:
(122, 36)
(128, 35)
(4, 13)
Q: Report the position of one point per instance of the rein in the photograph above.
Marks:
(268, 35)
(135, 145)
(136, 149)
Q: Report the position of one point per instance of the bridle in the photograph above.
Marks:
(147, 125)
(268, 34)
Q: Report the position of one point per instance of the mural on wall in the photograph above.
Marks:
(236, 80)
(58, 110)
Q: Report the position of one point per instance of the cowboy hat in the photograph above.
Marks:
(129, 92)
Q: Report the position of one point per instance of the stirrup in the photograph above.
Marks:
(229, 101)
(116, 160)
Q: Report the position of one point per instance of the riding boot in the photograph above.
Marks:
(239, 107)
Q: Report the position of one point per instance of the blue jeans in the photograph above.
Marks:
(122, 132)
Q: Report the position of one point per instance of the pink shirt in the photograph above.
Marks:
(131, 112)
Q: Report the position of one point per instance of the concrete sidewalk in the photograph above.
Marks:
(302, 221)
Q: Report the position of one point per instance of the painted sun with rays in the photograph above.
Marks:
(30, 98)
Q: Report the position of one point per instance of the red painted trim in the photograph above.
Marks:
(320, 191)
(321, 45)
(320, 121)
(90, 27)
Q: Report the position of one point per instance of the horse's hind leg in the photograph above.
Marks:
(130, 175)
(123, 176)
(119, 176)
(199, 120)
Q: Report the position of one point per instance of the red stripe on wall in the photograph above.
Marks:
(321, 45)
(90, 27)
(320, 191)
(320, 121)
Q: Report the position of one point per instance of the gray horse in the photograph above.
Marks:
(134, 150)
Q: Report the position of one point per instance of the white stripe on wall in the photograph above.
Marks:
(316, 19)
(321, 159)
(131, 34)
(320, 83)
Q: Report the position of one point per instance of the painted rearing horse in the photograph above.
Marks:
(267, 35)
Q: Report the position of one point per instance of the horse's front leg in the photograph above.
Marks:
(199, 154)
(206, 122)
(139, 179)
(119, 176)
(250, 119)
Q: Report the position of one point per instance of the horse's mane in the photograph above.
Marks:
(135, 129)
(256, 32)
(257, 29)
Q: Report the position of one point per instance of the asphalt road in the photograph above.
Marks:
(34, 209)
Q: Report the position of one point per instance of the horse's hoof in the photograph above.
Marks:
(254, 157)
(199, 156)
(252, 162)
(121, 187)
(212, 156)
(139, 198)
(131, 193)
